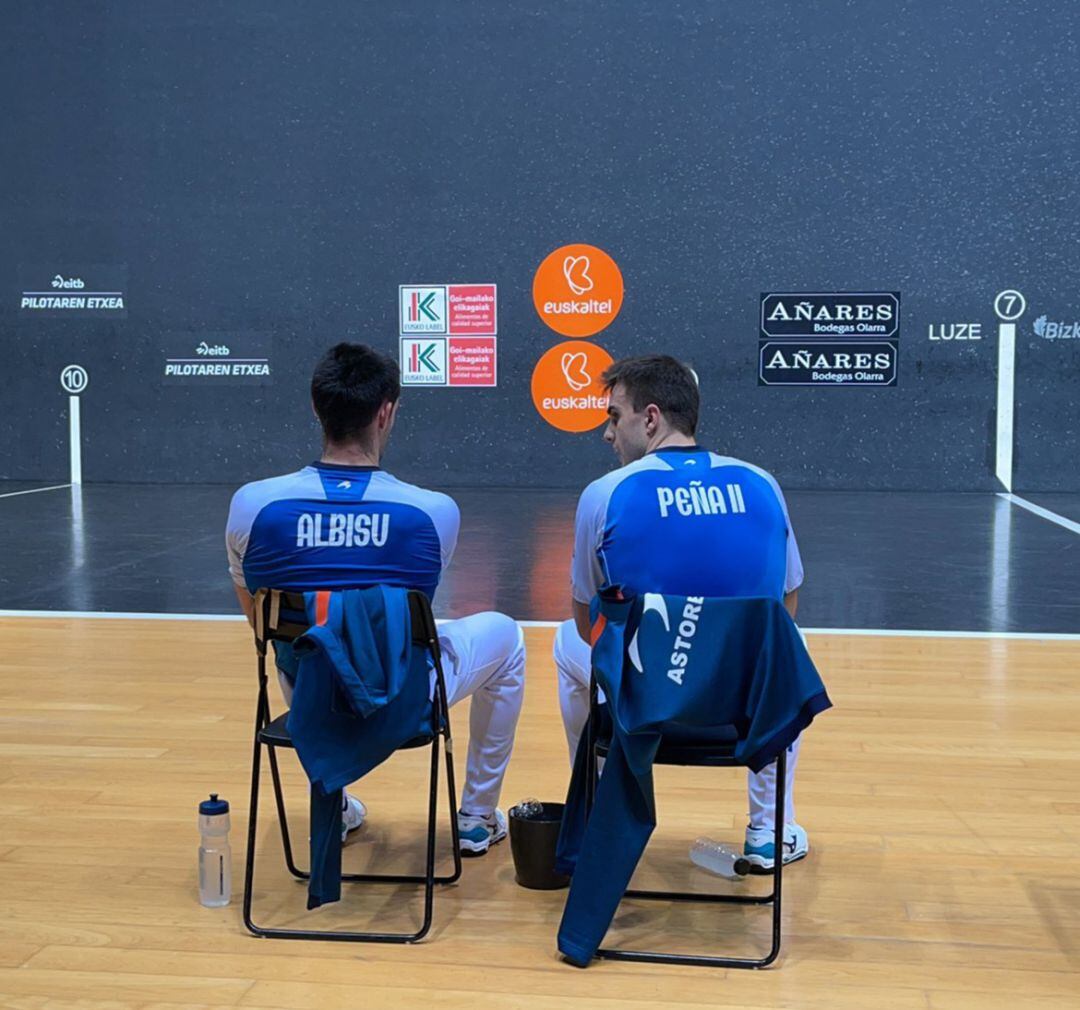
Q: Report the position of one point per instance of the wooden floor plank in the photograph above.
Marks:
(939, 795)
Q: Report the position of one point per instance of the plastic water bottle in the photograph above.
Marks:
(215, 856)
(719, 859)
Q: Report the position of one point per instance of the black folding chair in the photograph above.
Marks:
(680, 750)
(280, 616)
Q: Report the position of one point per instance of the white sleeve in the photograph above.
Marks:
(447, 518)
(586, 572)
(793, 577)
(237, 532)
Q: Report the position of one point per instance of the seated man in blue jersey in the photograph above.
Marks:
(344, 522)
(676, 518)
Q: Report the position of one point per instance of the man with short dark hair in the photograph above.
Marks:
(344, 522)
(676, 518)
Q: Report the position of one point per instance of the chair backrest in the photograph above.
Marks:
(280, 616)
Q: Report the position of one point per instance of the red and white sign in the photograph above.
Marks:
(472, 311)
(471, 360)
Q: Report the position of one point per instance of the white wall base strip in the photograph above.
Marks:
(1035, 636)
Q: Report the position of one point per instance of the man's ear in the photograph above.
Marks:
(653, 417)
(387, 413)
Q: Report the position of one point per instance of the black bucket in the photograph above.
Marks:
(532, 844)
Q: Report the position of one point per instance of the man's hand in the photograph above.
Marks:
(791, 601)
(581, 619)
(247, 603)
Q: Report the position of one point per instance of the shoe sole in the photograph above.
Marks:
(761, 870)
(471, 849)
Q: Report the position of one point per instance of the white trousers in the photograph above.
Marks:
(483, 658)
(572, 661)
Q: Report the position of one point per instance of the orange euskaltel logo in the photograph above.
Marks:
(566, 387)
(578, 290)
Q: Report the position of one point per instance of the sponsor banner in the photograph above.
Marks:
(831, 314)
(73, 290)
(423, 361)
(1054, 329)
(824, 338)
(566, 387)
(471, 361)
(472, 310)
(422, 308)
(578, 290)
(447, 309)
(827, 363)
(220, 359)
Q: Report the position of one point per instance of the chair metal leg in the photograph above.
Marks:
(428, 878)
(451, 788)
(429, 882)
(253, 811)
(773, 898)
(778, 858)
(283, 817)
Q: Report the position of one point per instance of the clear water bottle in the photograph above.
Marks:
(215, 856)
(719, 859)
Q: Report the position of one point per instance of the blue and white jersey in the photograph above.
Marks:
(685, 521)
(331, 526)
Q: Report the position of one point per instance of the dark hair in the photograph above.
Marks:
(659, 379)
(351, 382)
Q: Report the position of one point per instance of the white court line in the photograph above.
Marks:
(1006, 380)
(1072, 527)
(34, 490)
(118, 615)
(879, 632)
(74, 440)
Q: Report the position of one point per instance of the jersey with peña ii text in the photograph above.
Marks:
(331, 526)
(684, 520)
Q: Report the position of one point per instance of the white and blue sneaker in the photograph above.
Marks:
(759, 847)
(478, 834)
(353, 813)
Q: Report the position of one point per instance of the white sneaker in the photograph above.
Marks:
(759, 845)
(477, 834)
(353, 813)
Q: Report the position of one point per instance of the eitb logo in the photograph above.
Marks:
(422, 308)
(423, 361)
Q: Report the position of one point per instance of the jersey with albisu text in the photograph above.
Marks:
(331, 526)
(685, 521)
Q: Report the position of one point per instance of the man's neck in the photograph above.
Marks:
(349, 455)
(670, 440)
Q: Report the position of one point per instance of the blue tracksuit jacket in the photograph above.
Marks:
(701, 669)
(362, 690)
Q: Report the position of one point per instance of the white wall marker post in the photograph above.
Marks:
(1009, 305)
(73, 380)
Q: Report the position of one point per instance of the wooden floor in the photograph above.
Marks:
(940, 796)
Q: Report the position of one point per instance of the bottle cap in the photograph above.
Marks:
(213, 806)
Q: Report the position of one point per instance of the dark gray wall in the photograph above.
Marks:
(280, 169)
